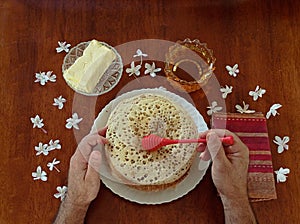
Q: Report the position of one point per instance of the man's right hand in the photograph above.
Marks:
(230, 163)
(229, 174)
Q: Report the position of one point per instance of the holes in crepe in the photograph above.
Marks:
(162, 163)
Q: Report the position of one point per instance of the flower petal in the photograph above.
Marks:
(69, 125)
(285, 139)
(57, 195)
(34, 174)
(280, 149)
(44, 178)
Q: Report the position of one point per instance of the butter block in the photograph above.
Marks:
(88, 69)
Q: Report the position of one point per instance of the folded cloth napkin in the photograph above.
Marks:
(252, 130)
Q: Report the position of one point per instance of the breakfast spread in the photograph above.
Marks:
(88, 69)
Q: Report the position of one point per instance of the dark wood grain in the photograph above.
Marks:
(261, 36)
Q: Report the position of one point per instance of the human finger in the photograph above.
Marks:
(94, 163)
(238, 147)
(215, 147)
(86, 145)
(203, 134)
(205, 155)
(201, 146)
(102, 131)
(225, 132)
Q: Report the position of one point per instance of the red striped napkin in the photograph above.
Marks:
(252, 130)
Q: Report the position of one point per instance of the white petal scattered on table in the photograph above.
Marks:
(54, 145)
(225, 91)
(133, 70)
(233, 71)
(213, 108)
(51, 165)
(282, 143)
(39, 174)
(139, 53)
(59, 102)
(273, 110)
(258, 92)
(51, 77)
(41, 149)
(61, 192)
(244, 109)
(281, 174)
(150, 69)
(37, 121)
(44, 77)
(41, 77)
(63, 46)
(73, 121)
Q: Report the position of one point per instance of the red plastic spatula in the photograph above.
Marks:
(153, 142)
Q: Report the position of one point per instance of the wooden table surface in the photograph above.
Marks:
(261, 36)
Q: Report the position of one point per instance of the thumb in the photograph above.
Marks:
(215, 147)
(93, 169)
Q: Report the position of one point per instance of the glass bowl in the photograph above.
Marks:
(197, 55)
(110, 78)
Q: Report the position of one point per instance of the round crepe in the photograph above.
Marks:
(139, 116)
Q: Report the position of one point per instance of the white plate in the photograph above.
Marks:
(110, 78)
(186, 185)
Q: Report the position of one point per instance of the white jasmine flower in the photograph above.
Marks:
(273, 110)
(54, 145)
(41, 77)
(51, 77)
(281, 174)
(61, 192)
(59, 102)
(244, 109)
(233, 71)
(139, 53)
(225, 91)
(37, 121)
(213, 108)
(51, 165)
(258, 92)
(151, 69)
(282, 143)
(63, 46)
(41, 149)
(73, 121)
(134, 70)
(39, 174)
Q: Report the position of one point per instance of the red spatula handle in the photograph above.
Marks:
(228, 140)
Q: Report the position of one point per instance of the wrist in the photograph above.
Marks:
(73, 205)
(235, 202)
(238, 194)
(70, 212)
(238, 210)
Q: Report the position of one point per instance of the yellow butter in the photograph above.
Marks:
(88, 69)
